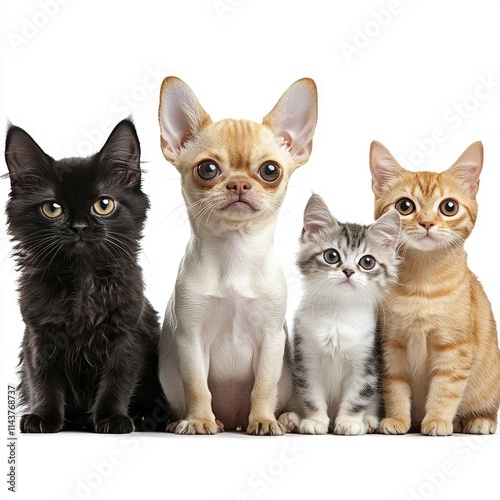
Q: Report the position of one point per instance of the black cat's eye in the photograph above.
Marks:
(104, 206)
(331, 256)
(207, 170)
(405, 206)
(269, 171)
(367, 262)
(449, 207)
(52, 210)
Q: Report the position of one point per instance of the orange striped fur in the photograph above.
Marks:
(441, 362)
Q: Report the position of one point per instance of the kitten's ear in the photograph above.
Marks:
(122, 153)
(24, 158)
(294, 118)
(180, 115)
(386, 229)
(317, 217)
(383, 167)
(467, 168)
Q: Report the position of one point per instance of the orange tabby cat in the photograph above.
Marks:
(440, 348)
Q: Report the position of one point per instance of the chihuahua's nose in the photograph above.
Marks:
(239, 186)
(348, 272)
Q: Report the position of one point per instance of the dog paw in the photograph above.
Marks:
(116, 424)
(479, 425)
(32, 423)
(394, 426)
(196, 426)
(265, 427)
(350, 426)
(311, 426)
(436, 427)
(289, 420)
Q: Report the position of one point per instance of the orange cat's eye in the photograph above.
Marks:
(405, 206)
(269, 171)
(207, 170)
(449, 207)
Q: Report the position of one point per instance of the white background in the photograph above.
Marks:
(70, 75)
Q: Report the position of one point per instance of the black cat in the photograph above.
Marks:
(89, 352)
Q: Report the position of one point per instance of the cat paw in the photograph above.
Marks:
(394, 426)
(371, 423)
(311, 426)
(290, 420)
(479, 425)
(116, 424)
(32, 423)
(196, 426)
(436, 427)
(349, 426)
(265, 427)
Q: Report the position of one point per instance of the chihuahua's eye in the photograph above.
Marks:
(449, 207)
(207, 170)
(331, 256)
(405, 206)
(52, 210)
(269, 172)
(104, 206)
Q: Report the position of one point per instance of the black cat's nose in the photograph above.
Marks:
(79, 227)
(348, 272)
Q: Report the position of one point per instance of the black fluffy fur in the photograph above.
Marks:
(89, 354)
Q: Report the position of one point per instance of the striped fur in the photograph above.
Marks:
(441, 361)
(335, 342)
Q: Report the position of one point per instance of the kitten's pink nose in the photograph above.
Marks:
(427, 225)
(239, 186)
(348, 272)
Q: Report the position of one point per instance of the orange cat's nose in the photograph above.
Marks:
(427, 225)
(239, 186)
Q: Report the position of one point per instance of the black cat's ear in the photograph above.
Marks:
(25, 159)
(122, 153)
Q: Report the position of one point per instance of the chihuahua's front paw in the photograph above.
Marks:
(196, 426)
(265, 427)
(290, 420)
(32, 423)
(436, 427)
(116, 424)
(311, 426)
(394, 426)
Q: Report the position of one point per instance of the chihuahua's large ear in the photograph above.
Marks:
(468, 168)
(383, 167)
(317, 217)
(181, 116)
(294, 118)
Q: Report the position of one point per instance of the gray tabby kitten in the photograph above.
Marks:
(336, 357)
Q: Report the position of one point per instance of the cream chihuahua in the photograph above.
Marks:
(222, 362)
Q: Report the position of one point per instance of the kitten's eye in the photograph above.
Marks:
(449, 207)
(104, 206)
(207, 170)
(331, 256)
(52, 210)
(367, 262)
(405, 206)
(269, 172)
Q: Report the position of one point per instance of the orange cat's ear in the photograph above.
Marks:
(467, 168)
(383, 166)
(317, 216)
(294, 118)
(386, 229)
(180, 115)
